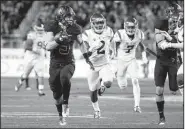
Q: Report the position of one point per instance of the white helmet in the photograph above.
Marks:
(130, 26)
(98, 22)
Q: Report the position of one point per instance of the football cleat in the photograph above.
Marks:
(28, 88)
(65, 110)
(162, 121)
(137, 109)
(17, 87)
(97, 114)
(101, 90)
(62, 121)
(41, 93)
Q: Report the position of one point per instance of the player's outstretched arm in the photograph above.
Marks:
(84, 50)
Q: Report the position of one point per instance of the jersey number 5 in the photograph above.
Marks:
(99, 50)
(129, 47)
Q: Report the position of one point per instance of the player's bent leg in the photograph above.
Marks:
(39, 70)
(94, 100)
(160, 104)
(136, 93)
(66, 74)
(24, 77)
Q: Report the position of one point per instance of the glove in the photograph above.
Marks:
(145, 60)
(165, 45)
(167, 36)
(86, 56)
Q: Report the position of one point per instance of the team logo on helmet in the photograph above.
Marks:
(130, 26)
(98, 22)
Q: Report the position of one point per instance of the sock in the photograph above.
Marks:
(136, 92)
(59, 109)
(96, 106)
(37, 83)
(27, 82)
(160, 106)
(41, 87)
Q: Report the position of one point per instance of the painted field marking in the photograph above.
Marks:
(39, 115)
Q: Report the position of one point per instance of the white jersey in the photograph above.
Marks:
(99, 45)
(127, 49)
(39, 41)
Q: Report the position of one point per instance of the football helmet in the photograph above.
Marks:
(130, 26)
(174, 14)
(98, 22)
(39, 27)
(174, 10)
(65, 15)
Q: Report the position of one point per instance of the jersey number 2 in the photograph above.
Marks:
(99, 50)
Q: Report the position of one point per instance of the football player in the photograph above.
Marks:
(34, 57)
(98, 42)
(63, 31)
(127, 40)
(168, 58)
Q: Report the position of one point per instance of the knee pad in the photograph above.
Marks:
(159, 91)
(56, 96)
(58, 101)
(135, 81)
(107, 84)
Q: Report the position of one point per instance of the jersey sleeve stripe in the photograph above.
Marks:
(119, 35)
(85, 33)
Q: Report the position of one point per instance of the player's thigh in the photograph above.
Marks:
(39, 68)
(92, 79)
(122, 67)
(106, 74)
(160, 73)
(133, 69)
(67, 72)
(54, 78)
(28, 66)
(172, 76)
(121, 73)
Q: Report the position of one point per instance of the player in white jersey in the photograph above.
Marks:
(34, 57)
(97, 40)
(128, 39)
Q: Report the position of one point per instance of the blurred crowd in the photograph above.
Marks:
(13, 12)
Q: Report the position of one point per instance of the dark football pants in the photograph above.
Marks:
(160, 73)
(59, 80)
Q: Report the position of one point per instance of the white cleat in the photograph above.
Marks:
(28, 88)
(65, 110)
(97, 114)
(62, 121)
(17, 87)
(137, 109)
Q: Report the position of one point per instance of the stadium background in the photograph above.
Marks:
(17, 18)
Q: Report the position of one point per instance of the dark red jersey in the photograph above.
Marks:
(64, 52)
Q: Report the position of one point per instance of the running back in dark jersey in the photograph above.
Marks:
(64, 52)
(170, 54)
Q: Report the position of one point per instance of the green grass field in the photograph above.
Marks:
(25, 109)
